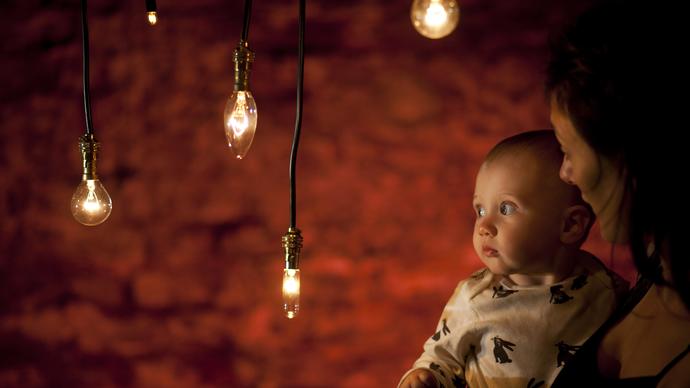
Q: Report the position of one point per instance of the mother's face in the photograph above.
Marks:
(600, 181)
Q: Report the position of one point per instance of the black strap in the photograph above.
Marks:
(673, 362)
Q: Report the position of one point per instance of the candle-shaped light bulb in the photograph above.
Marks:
(240, 116)
(292, 242)
(151, 12)
(152, 17)
(291, 287)
(91, 204)
(435, 18)
(240, 121)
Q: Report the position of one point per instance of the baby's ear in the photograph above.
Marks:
(576, 222)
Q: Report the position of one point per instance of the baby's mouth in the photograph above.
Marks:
(490, 252)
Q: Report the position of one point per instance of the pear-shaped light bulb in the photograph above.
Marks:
(240, 119)
(435, 18)
(152, 17)
(91, 204)
(291, 286)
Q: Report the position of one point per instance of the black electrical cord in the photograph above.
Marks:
(298, 118)
(151, 6)
(85, 58)
(247, 15)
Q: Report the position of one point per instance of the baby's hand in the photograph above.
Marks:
(419, 378)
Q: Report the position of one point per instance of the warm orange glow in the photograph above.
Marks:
(291, 288)
(153, 18)
(435, 18)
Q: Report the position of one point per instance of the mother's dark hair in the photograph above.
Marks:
(613, 72)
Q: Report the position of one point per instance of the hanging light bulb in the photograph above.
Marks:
(291, 288)
(292, 242)
(152, 17)
(91, 204)
(240, 121)
(151, 12)
(240, 116)
(435, 18)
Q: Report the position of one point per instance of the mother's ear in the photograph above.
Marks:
(575, 224)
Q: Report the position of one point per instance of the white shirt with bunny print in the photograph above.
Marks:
(494, 333)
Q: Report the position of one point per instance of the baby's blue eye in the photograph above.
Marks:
(507, 208)
(481, 212)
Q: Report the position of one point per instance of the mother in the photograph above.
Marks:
(610, 80)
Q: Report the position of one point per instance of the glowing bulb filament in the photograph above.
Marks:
(153, 18)
(91, 205)
(239, 120)
(291, 288)
(435, 15)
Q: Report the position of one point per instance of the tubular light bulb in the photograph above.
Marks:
(435, 18)
(153, 18)
(240, 119)
(291, 286)
(91, 204)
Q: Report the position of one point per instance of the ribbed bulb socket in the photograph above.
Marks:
(242, 57)
(88, 147)
(292, 242)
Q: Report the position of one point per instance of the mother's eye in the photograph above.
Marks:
(507, 208)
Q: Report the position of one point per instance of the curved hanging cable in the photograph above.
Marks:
(298, 118)
(292, 240)
(85, 59)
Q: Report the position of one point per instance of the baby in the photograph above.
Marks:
(518, 321)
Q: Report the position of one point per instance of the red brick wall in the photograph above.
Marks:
(181, 286)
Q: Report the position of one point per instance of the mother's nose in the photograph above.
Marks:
(566, 173)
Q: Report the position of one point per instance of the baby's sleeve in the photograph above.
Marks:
(446, 350)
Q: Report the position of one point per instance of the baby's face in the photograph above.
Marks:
(519, 207)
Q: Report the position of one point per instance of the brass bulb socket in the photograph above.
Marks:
(292, 242)
(242, 57)
(88, 147)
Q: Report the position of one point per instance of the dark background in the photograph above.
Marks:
(181, 286)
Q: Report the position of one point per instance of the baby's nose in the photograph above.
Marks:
(487, 230)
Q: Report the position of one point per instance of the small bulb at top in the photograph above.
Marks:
(291, 286)
(91, 204)
(240, 119)
(435, 18)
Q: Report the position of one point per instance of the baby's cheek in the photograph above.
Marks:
(524, 243)
(477, 242)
